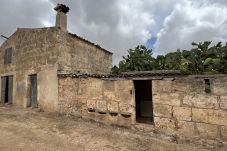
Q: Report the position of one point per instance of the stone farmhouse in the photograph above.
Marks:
(31, 59)
(57, 71)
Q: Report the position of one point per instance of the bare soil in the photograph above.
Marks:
(31, 130)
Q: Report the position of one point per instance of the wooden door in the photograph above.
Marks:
(3, 89)
(33, 91)
(10, 89)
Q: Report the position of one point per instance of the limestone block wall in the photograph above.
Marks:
(183, 107)
(33, 49)
(80, 55)
(110, 102)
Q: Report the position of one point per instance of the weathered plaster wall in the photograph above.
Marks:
(182, 106)
(48, 90)
(104, 101)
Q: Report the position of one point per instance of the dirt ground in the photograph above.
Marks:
(28, 130)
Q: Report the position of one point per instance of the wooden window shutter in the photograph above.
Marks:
(5, 56)
(8, 56)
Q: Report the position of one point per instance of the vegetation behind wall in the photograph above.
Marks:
(201, 59)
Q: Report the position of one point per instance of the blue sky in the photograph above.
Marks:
(150, 43)
(163, 25)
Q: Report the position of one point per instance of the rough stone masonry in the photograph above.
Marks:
(181, 106)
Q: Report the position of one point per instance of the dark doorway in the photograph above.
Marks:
(33, 91)
(144, 103)
(7, 89)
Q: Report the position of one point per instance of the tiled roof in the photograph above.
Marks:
(125, 75)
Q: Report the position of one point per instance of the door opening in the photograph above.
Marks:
(7, 89)
(144, 103)
(33, 91)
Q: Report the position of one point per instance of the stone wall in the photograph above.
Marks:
(183, 107)
(104, 101)
(81, 55)
(33, 51)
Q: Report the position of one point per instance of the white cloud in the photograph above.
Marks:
(192, 21)
(23, 14)
(119, 25)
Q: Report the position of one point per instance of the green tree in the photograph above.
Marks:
(193, 60)
(172, 60)
(138, 59)
(204, 59)
(115, 70)
(201, 59)
(160, 62)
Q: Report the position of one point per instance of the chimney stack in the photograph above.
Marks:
(61, 18)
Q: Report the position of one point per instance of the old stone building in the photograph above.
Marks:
(57, 71)
(31, 59)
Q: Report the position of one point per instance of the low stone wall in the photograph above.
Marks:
(182, 106)
(110, 102)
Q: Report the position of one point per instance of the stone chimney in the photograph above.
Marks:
(61, 18)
